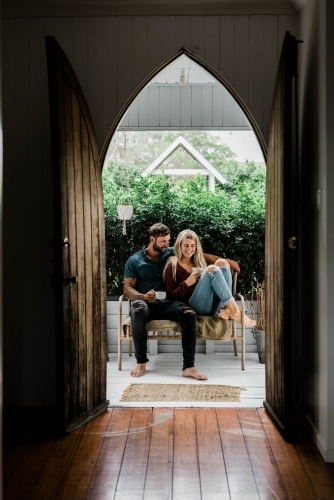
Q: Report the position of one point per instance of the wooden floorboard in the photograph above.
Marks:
(267, 477)
(24, 478)
(11, 458)
(80, 472)
(56, 466)
(170, 454)
(186, 479)
(294, 477)
(106, 472)
(132, 476)
(320, 474)
(159, 476)
(239, 471)
(214, 483)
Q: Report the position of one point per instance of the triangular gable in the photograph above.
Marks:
(182, 142)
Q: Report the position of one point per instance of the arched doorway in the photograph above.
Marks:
(164, 84)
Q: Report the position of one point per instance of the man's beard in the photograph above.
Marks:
(158, 249)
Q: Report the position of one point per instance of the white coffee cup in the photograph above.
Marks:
(160, 295)
(197, 270)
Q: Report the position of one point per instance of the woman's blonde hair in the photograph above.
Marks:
(197, 258)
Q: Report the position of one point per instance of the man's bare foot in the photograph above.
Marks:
(235, 313)
(225, 313)
(139, 370)
(192, 372)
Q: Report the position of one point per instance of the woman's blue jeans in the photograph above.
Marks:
(213, 291)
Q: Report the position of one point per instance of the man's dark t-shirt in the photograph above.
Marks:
(146, 271)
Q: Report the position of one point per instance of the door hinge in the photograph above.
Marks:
(292, 243)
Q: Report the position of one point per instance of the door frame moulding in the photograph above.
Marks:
(157, 70)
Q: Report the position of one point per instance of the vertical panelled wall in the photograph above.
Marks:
(111, 56)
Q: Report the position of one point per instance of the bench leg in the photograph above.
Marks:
(119, 353)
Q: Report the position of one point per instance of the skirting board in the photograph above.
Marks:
(327, 453)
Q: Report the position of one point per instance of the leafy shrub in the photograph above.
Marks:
(229, 222)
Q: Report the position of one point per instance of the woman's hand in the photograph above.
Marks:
(193, 278)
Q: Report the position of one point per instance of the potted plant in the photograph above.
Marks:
(259, 314)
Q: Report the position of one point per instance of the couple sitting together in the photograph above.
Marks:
(159, 267)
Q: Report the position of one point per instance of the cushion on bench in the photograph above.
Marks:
(208, 327)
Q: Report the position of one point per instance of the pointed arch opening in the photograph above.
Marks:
(240, 118)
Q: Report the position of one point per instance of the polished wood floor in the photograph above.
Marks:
(170, 453)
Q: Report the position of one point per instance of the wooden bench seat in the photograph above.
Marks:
(208, 328)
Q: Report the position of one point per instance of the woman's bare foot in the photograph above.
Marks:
(192, 372)
(225, 313)
(235, 313)
(139, 370)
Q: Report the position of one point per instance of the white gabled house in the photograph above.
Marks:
(207, 168)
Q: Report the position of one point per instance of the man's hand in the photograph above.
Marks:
(233, 265)
(132, 294)
(149, 296)
(211, 259)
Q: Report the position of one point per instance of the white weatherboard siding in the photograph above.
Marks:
(200, 107)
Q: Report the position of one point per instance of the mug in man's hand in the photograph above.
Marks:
(160, 295)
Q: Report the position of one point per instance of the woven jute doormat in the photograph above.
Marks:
(181, 392)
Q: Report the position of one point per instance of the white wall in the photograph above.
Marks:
(316, 86)
(111, 56)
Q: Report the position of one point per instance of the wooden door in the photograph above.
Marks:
(79, 245)
(280, 247)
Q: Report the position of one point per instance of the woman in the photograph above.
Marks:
(206, 290)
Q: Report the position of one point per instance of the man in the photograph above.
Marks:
(142, 278)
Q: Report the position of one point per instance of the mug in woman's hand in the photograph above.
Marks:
(197, 270)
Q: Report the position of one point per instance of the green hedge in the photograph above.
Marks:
(230, 222)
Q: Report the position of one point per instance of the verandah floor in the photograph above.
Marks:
(221, 368)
